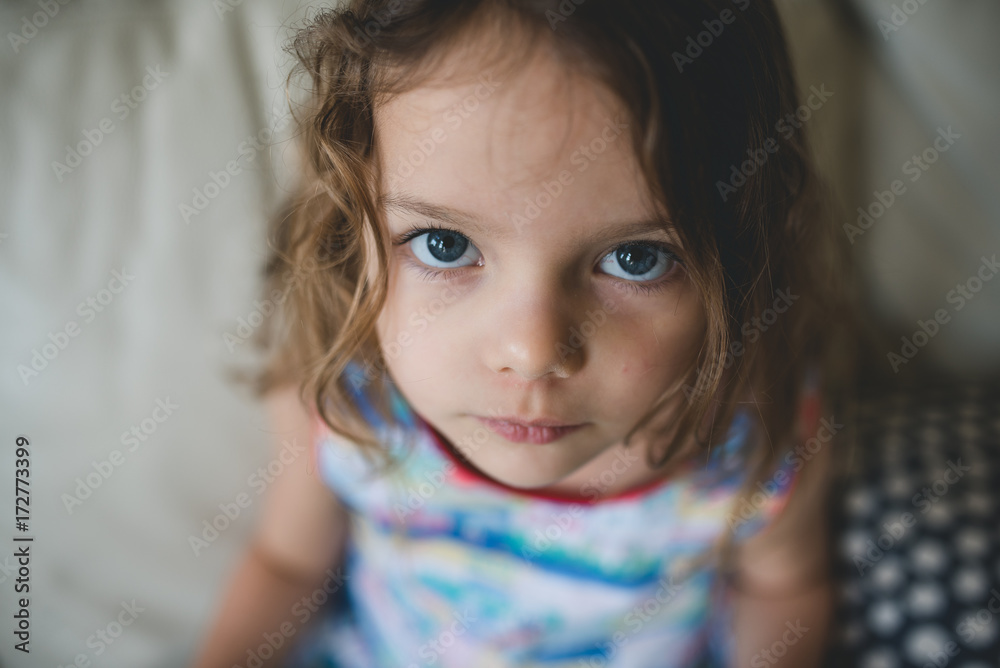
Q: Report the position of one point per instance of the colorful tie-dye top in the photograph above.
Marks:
(446, 567)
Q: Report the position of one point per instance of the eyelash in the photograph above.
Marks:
(429, 273)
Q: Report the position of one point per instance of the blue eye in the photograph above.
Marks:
(641, 265)
(639, 261)
(442, 246)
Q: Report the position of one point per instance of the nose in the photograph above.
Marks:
(530, 335)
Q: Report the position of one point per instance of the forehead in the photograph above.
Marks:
(489, 139)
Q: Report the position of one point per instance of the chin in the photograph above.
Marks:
(524, 466)
(525, 476)
(533, 483)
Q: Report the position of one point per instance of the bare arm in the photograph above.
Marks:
(789, 630)
(301, 535)
(784, 598)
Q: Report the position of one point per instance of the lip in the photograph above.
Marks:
(537, 422)
(535, 431)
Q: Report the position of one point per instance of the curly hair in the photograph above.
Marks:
(706, 127)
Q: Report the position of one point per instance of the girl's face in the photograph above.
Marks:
(551, 292)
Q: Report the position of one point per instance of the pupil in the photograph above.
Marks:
(636, 259)
(446, 246)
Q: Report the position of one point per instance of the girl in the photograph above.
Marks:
(560, 361)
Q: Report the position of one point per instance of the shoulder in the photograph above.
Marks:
(791, 547)
(360, 387)
(344, 463)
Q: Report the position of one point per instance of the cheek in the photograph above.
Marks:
(654, 348)
(391, 325)
(422, 350)
(410, 327)
(395, 335)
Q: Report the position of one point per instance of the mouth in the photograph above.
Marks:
(536, 431)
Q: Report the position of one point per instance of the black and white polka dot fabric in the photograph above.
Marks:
(917, 532)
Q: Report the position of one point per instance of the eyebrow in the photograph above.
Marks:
(471, 222)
